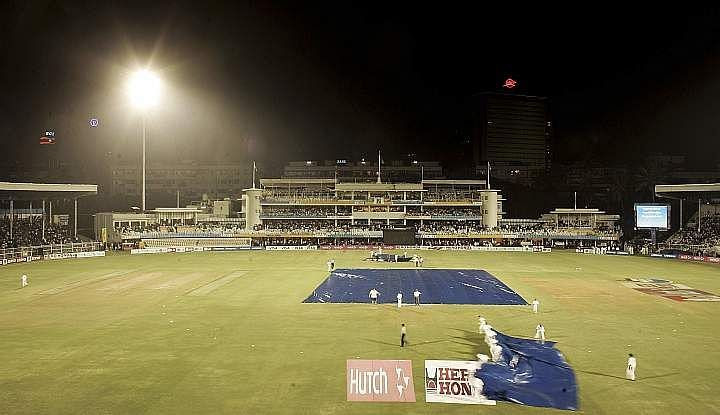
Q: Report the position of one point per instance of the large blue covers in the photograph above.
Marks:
(438, 286)
(530, 373)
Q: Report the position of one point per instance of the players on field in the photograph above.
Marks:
(495, 350)
(403, 333)
(481, 324)
(416, 295)
(23, 281)
(540, 332)
(631, 365)
(374, 296)
(399, 299)
(535, 305)
(331, 265)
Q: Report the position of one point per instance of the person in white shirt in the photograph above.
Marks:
(481, 324)
(631, 365)
(399, 298)
(403, 333)
(23, 281)
(477, 383)
(416, 294)
(482, 359)
(540, 332)
(374, 296)
(329, 265)
(489, 333)
(421, 259)
(535, 305)
(495, 351)
(416, 261)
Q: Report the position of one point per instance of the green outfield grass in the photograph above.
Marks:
(173, 333)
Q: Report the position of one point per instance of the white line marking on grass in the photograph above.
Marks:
(81, 283)
(215, 284)
(131, 282)
(175, 282)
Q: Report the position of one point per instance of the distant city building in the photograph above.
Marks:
(192, 179)
(364, 170)
(513, 133)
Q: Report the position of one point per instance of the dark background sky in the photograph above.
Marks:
(283, 80)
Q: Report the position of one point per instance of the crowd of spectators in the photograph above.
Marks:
(468, 227)
(209, 228)
(452, 211)
(327, 226)
(327, 211)
(343, 228)
(299, 212)
(704, 239)
(28, 232)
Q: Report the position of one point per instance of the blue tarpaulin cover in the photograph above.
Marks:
(530, 373)
(438, 286)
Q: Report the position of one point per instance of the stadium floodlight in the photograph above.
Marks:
(144, 89)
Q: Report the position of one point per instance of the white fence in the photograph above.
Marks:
(56, 251)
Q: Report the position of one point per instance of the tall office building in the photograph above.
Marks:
(514, 133)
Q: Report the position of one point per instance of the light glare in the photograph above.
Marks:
(144, 89)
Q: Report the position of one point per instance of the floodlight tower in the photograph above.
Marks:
(143, 89)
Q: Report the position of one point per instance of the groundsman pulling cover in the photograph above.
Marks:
(529, 372)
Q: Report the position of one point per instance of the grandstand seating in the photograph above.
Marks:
(28, 232)
(193, 242)
(703, 241)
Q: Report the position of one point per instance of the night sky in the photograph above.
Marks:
(284, 81)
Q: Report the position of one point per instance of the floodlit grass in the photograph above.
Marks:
(174, 333)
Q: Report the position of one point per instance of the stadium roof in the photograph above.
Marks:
(571, 210)
(176, 210)
(461, 182)
(378, 187)
(286, 181)
(681, 188)
(38, 191)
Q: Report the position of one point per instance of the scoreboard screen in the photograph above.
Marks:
(399, 236)
(652, 216)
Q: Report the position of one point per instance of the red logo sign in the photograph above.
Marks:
(380, 381)
(510, 83)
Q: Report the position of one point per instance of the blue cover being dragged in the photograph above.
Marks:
(438, 286)
(530, 373)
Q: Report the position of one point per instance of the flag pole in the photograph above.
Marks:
(378, 180)
(488, 175)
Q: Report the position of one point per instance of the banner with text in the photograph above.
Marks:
(291, 248)
(380, 381)
(453, 381)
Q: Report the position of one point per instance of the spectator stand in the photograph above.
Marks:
(31, 226)
(700, 235)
